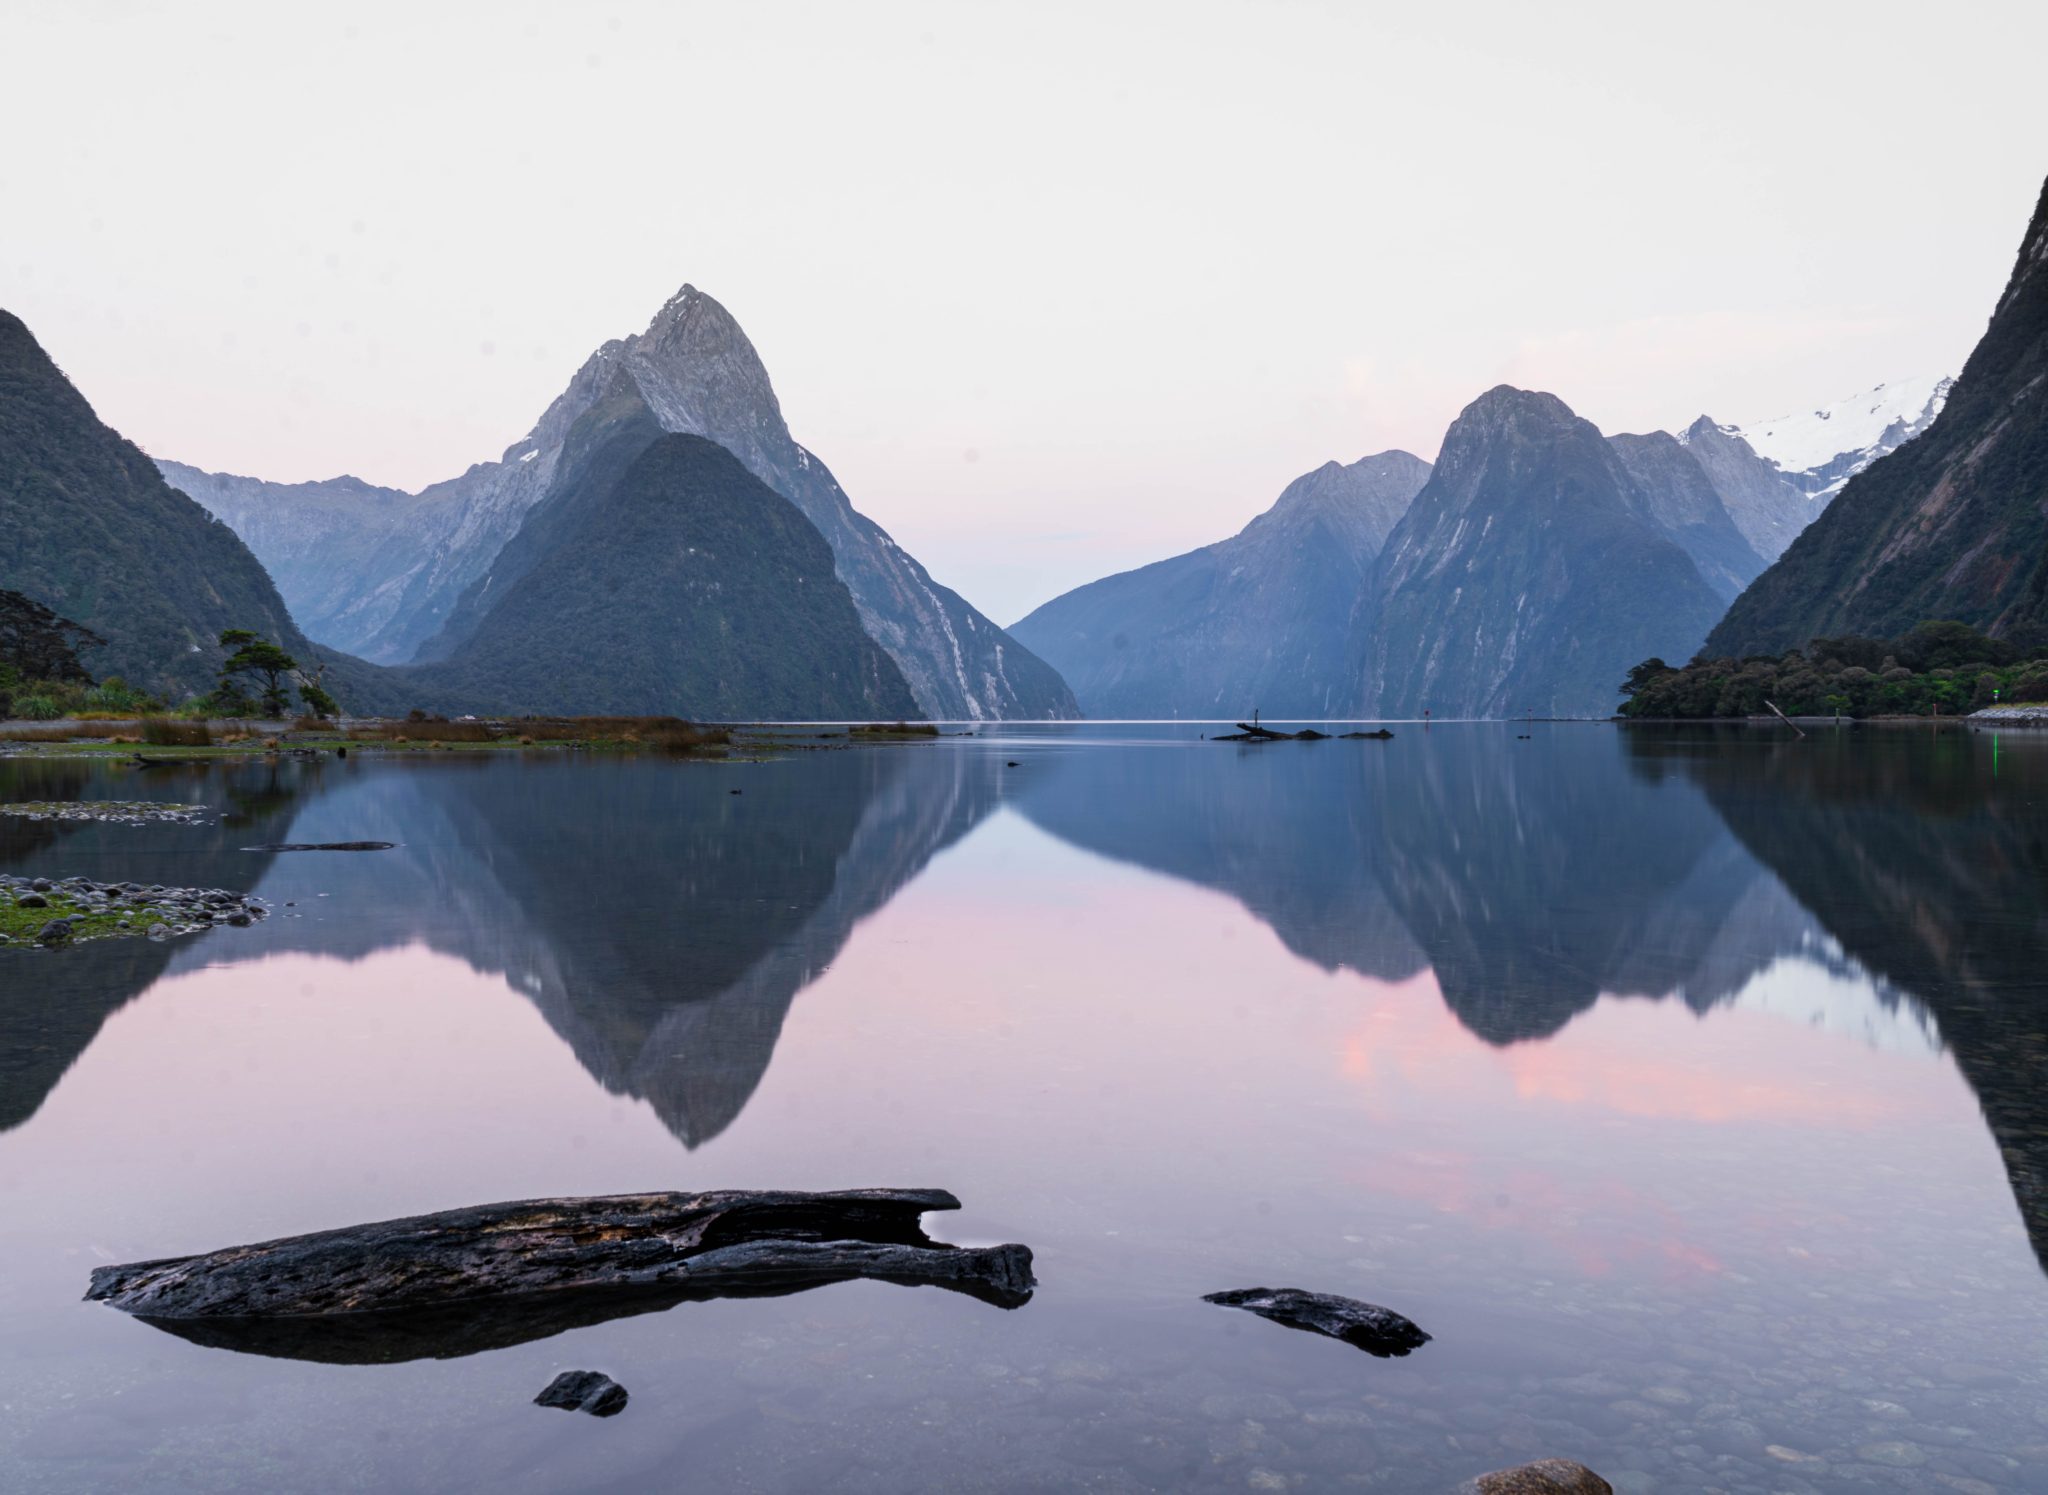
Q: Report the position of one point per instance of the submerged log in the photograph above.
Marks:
(549, 1264)
(1246, 732)
(323, 846)
(1366, 1326)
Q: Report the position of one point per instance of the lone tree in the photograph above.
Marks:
(252, 654)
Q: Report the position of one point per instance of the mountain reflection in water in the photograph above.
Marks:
(662, 925)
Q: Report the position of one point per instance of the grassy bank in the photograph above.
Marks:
(178, 739)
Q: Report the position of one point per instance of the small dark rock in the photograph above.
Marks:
(1366, 1326)
(56, 932)
(732, 791)
(41, 885)
(584, 1391)
(32, 900)
(240, 918)
(1544, 1477)
(1011, 764)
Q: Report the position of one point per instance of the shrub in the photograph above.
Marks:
(37, 708)
(163, 731)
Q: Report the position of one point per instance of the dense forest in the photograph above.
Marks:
(1942, 668)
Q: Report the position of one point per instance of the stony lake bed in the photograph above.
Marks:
(1679, 1088)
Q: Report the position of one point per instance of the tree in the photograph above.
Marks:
(315, 695)
(252, 654)
(1649, 671)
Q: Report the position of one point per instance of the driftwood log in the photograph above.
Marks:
(493, 1275)
(323, 846)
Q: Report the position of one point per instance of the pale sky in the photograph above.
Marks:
(1055, 289)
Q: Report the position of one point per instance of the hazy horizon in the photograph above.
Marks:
(1060, 290)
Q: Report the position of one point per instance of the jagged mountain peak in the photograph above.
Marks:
(1511, 402)
(695, 371)
(1860, 429)
(1363, 500)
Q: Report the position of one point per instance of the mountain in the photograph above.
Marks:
(317, 540)
(1776, 476)
(699, 375)
(1822, 449)
(1680, 496)
(1769, 507)
(89, 528)
(666, 577)
(1531, 572)
(1950, 525)
(1258, 620)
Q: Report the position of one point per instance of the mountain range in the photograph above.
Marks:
(1259, 620)
(1534, 560)
(653, 544)
(398, 578)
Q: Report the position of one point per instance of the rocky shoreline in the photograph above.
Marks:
(38, 913)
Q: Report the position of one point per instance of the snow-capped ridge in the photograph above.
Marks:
(1866, 426)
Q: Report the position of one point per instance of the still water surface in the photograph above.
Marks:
(1688, 1088)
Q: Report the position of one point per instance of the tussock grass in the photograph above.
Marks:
(30, 732)
(164, 731)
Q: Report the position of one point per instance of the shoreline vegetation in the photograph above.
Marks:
(1937, 670)
(150, 740)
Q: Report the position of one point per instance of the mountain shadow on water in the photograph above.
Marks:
(667, 962)
(57, 1001)
(1528, 876)
(1925, 855)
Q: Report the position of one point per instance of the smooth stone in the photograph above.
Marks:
(1544, 1477)
(584, 1391)
(1365, 1326)
(32, 900)
(56, 932)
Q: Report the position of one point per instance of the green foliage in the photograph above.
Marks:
(1944, 668)
(252, 654)
(37, 708)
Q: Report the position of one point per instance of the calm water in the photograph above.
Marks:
(1688, 1088)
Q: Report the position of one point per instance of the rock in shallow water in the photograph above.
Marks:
(584, 1391)
(1544, 1477)
(1366, 1326)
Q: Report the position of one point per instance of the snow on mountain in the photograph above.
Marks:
(1862, 428)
